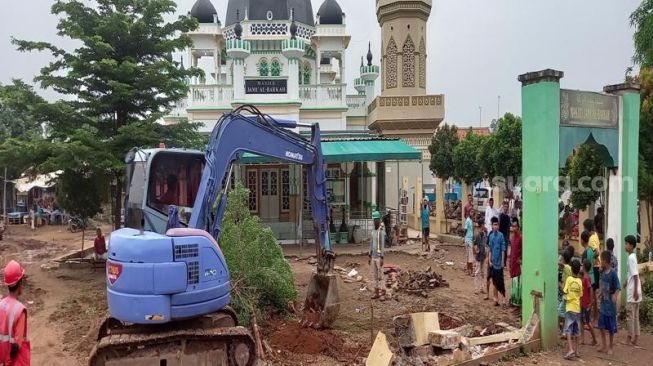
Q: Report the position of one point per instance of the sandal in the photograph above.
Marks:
(569, 356)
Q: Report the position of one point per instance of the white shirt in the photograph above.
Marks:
(633, 271)
(490, 212)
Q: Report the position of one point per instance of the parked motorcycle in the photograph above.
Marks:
(76, 224)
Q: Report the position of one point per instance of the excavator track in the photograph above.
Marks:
(177, 344)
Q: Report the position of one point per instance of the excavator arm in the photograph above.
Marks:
(235, 134)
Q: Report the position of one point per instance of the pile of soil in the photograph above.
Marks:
(417, 282)
(448, 322)
(289, 336)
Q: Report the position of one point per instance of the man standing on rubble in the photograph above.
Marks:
(375, 255)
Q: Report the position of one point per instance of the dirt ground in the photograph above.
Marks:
(67, 306)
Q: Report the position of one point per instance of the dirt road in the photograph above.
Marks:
(67, 306)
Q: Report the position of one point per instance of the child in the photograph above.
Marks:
(609, 289)
(573, 290)
(610, 245)
(634, 291)
(566, 273)
(586, 303)
(480, 254)
(588, 254)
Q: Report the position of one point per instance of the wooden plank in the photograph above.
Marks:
(497, 338)
(380, 354)
(506, 326)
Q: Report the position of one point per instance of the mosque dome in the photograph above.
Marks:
(269, 10)
(330, 12)
(203, 11)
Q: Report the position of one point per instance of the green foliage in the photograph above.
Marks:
(585, 165)
(642, 20)
(465, 158)
(78, 193)
(121, 80)
(441, 149)
(261, 278)
(500, 154)
(645, 179)
(646, 311)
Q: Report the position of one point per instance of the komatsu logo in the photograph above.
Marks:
(294, 155)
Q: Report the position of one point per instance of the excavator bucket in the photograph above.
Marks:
(322, 303)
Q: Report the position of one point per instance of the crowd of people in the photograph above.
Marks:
(589, 287)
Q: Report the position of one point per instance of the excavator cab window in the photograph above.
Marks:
(174, 180)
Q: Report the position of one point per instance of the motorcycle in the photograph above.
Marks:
(76, 224)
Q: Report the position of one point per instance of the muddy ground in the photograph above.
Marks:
(67, 306)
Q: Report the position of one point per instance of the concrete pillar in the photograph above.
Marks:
(293, 79)
(374, 195)
(439, 204)
(613, 212)
(540, 162)
(629, 100)
(239, 79)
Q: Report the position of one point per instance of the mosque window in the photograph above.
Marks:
(391, 65)
(263, 67)
(422, 64)
(275, 67)
(408, 64)
(307, 73)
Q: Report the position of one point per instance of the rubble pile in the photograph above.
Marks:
(417, 282)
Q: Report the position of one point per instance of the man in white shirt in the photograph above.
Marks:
(490, 212)
(634, 291)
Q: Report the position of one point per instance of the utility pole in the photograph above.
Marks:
(480, 116)
(4, 195)
(499, 108)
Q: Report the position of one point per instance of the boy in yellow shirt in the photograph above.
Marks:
(573, 291)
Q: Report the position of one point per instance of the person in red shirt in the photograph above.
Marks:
(586, 304)
(515, 262)
(15, 348)
(100, 246)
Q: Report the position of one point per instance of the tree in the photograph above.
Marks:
(645, 181)
(642, 20)
(584, 167)
(500, 155)
(441, 149)
(121, 79)
(465, 158)
(261, 278)
(78, 194)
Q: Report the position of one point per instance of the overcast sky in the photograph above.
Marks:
(476, 48)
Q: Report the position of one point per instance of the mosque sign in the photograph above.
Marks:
(266, 86)
(588, 109)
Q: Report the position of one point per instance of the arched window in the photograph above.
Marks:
(391, 65)
(263, 67)
(408, 63)
(276, 67)
(307, 73)
(422, 64)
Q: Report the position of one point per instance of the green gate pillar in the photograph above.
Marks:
(628, 164)
(540, 163)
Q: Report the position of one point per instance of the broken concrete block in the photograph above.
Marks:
(460, 355)
(380, 354)
(413, 329)
(444, 339)
(422, 351)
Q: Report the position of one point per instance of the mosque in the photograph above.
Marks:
(290, 62)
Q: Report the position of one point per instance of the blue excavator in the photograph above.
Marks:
(168, 284)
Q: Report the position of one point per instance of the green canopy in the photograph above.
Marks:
(354, 150)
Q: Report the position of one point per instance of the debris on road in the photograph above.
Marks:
(417, 282)
(420, 340)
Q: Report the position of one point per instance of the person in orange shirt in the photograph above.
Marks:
(15, 348)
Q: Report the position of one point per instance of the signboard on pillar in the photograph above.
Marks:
(588, 109)
(266, 86)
